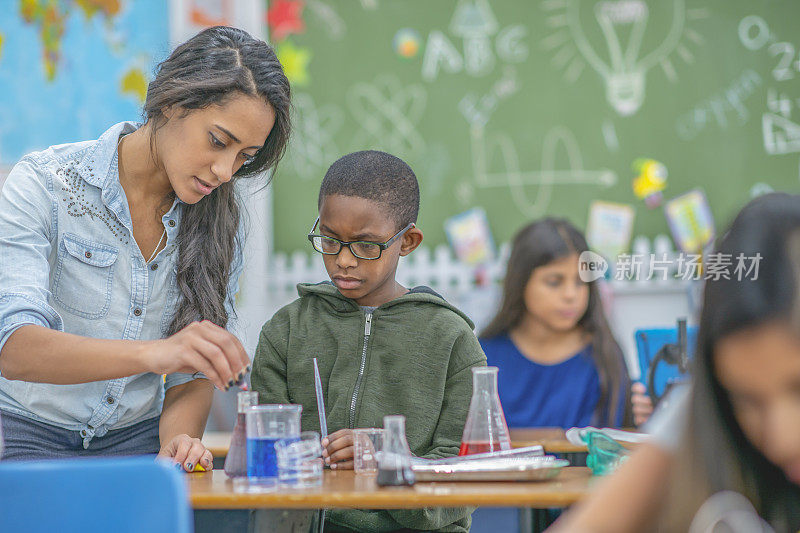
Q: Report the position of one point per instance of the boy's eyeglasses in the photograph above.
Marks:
(360, 249)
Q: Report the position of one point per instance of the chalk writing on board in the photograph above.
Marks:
(754, 33)
(331, 21)
(716, 109)
(433, 169)
(623, 25)
(780, 133)
(531, 190)
(314, 130)
(610, 135)
(440, 53)
(475, 24)
(387, 113)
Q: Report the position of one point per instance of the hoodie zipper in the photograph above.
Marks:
(367, 328)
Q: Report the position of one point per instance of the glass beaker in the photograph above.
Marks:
(265, 425)
(236, 460)
(367, 444)
(394, 459)
(486, 429)
(300, 461)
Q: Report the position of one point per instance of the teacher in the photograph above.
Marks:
(120, 257)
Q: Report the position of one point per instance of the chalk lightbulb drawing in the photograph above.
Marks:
(618, 54)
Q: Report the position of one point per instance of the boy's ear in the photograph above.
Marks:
(411, 239)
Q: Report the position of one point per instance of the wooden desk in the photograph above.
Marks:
(553, 440)
(345, 489)
(217, 442)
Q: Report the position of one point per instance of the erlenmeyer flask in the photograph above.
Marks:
(394, 459)
(486, 429)
(236, 460)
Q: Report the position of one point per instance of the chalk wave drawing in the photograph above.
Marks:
(387, 114)
(314, 129)
(531, 191)
(623, 25)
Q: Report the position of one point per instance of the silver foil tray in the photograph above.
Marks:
(534, 468)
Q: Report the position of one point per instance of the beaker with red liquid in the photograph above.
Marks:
(486, 429)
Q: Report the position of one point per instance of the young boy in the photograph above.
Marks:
(382, 349)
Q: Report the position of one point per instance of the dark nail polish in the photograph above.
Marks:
(189, 466)
(230, 383)
(248, 368)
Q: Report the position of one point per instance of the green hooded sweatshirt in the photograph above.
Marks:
(411, 356)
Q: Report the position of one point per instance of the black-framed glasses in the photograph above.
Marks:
(360, 249)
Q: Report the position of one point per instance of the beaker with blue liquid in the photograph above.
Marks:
(267, 424)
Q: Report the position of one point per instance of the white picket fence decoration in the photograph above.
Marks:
(437, 268)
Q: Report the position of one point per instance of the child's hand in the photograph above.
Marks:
(642, 404)
(337, 450)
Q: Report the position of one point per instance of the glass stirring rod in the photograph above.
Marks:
(323, 423)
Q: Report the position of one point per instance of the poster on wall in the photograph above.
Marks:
(610, 227)
(690, 220)
(68, 73)
(470, 237)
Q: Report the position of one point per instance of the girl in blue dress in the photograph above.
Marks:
(559, 363)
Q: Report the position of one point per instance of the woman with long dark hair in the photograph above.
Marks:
(559, 363)
(121, 256)
(737, 431)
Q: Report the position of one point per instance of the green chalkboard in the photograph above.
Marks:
(528, 108)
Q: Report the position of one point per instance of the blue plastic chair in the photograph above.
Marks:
(105, 495)
(649, 342)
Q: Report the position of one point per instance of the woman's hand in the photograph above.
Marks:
(337, 449)
(188, 452)
(641, 403)
(200, 347)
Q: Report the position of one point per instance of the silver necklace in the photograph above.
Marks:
(163, 233)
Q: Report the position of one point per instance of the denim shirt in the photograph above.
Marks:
(69, 262)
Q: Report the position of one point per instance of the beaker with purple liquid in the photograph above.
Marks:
(236, 460)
